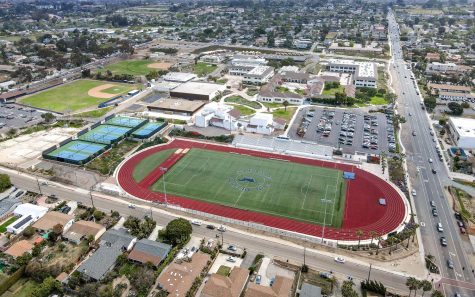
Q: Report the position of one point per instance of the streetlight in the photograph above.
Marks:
(164, 170)
(90, 195)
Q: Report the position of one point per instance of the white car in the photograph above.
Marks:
(340, 260)
(222, 228)
(196, 222)
(231, 259)
(414, 192)
(131, 206)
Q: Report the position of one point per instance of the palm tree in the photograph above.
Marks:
(437, 293)
(412, 283)
(359, 233)
(379, 238)
(426, 286)
(285, 103)
(373, 234)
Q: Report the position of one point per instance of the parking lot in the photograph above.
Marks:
(351, 130)
(17, 116)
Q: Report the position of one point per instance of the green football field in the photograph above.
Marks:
(73, 96)
(296, 191)
(133, 67)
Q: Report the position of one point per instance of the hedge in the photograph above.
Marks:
(11, 280)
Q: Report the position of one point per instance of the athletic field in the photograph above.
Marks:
(76, 95)
(133, 67)
(275, 187)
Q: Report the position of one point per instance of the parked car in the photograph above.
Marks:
(231, 259)
(196, 222)
(443, 241)
(222, 228)
(258, 279)
(211, 227)
(232, 248)
(450, 264)
(439, 227)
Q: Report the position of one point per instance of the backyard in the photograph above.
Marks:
(5, 224)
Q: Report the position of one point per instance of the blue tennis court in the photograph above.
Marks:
(76, 151)
(106, 134)
(148, 130)
(125, 122)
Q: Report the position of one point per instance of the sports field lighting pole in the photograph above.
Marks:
(39, 186)
(324, 220)
(164, 170)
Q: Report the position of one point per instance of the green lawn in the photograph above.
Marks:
(203, 69)
(240, 100)
(22, 288)
(284, 114)
(133, 67)
(94, 113)
(223, 270)
(148, 164)
(72, 96)
(245, 111)
(274, 187)
(333, 91)
(272, 104)
(378, 100)
(3, 227)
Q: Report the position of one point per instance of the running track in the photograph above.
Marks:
(362, 210)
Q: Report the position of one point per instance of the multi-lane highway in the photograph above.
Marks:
(427, 176)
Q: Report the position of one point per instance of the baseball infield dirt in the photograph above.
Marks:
(97, 91)
(160, 65)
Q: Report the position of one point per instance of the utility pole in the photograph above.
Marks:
(369, 272)
(90, 195)
(304, 253)
(39, 186)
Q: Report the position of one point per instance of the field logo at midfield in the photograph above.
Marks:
(250, 179)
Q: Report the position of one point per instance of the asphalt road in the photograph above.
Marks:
(252, 242)
(429, 186)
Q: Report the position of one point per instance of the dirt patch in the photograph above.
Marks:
(97, 91)
(160, 65)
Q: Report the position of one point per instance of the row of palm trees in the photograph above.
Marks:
(426, 286)
(407, 233)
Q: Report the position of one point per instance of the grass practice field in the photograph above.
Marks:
(301, 192)
(133, 67)
(73, 96)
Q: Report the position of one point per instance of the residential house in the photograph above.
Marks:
(149, 251)
(19, 248)
(113, 243)
(178, 277)
(281, 287)
(226, 286)
(82, 229)
(53, 218)
(27, 214)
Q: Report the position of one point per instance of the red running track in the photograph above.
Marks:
(362, 210)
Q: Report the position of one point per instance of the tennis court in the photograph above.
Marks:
(125, 122)
(106, 134)
(77, 151)
(148, 130)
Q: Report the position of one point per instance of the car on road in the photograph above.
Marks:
(413, 133)
(434, 171)
(432, 203)
(450, 264)
(435, 213)
(439, 227)
(414, 193)
(258, 279)
(443, 241)
(430, 160)
(232, 248)
(222, 228)
(131, 206)
(340, 260)
(231, 259)
(196, 222)
(211, 227)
